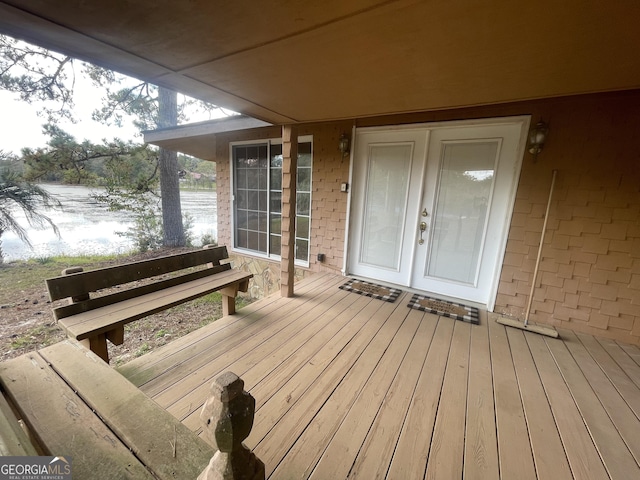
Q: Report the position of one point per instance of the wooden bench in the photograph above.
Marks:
(73, 404)
(93, 320)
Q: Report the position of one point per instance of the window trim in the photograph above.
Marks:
(232, 195)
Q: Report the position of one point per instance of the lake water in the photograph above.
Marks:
(86, 227)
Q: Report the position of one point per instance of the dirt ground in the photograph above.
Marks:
(27, 323)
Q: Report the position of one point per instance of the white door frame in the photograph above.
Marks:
(523, 122)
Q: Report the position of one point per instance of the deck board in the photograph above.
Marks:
(582, 454)
(447, 451)
(514, 447)
(383, 348)
(481, 447)
(548, 452)
(348, 386)
(349, 438)
(410, 458)
(613, 452)
(375, 456)
(616, 408)
(259, 338)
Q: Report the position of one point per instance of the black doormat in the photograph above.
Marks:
(445, 308)
(371, 290)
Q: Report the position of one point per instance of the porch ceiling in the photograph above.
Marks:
(283, 61)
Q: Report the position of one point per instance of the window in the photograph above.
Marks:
(257, 188)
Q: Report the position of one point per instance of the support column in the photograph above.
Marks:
(289, 169)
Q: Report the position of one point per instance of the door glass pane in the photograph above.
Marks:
(461, 210)
(385, 204)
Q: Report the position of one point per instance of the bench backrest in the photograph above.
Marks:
(78, 285)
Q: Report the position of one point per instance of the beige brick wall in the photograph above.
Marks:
(589, 277)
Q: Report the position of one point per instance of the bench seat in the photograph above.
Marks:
(101, 320)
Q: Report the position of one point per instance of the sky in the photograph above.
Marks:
(20, 125)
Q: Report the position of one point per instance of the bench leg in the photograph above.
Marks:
(229, 300)
(228, 305)
(97, 345)
(116, 336)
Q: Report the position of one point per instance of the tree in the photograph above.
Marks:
(66, 160)
(52, 79)
(173, 231)
(31, 199)
(37, 74)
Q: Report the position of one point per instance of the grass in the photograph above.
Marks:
(162, 333)
(39, 337)
(16, 277)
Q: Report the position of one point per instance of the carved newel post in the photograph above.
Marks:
(227, 418)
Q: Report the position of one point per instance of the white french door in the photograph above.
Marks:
(431, 204)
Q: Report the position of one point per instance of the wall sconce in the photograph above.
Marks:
(343, 145)
(537, 137)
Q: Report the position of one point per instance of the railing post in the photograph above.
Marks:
(227, 418)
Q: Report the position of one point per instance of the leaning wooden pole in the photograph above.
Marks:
(227, 419)
(550, 332)
(542, 235)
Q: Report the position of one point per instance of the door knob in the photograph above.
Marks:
(424, 213)
(423, 227)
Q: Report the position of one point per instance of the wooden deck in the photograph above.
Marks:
(351, 387)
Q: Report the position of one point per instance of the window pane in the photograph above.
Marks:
(304, 154)
(302, 250)
(241, 199)
(241, 177)
(276, 155)
(252, 178)
(254, 200)
(252, 221)
(276, 179)
(241, 219)
(262, 157)
(262, 222)
(386, 200)
(302, 227)
(276, 223)
(302, 203)
(460, 219)
(304, 179)
(262, 242)
(262, 201)
(262, 179)
(275, 247)
(253, 241)
(276, 202)
(241, 237)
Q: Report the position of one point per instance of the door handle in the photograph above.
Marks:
(423, 227)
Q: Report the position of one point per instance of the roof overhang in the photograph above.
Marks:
(198, 139)
(289, 62)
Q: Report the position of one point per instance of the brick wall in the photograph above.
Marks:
(589, 277)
